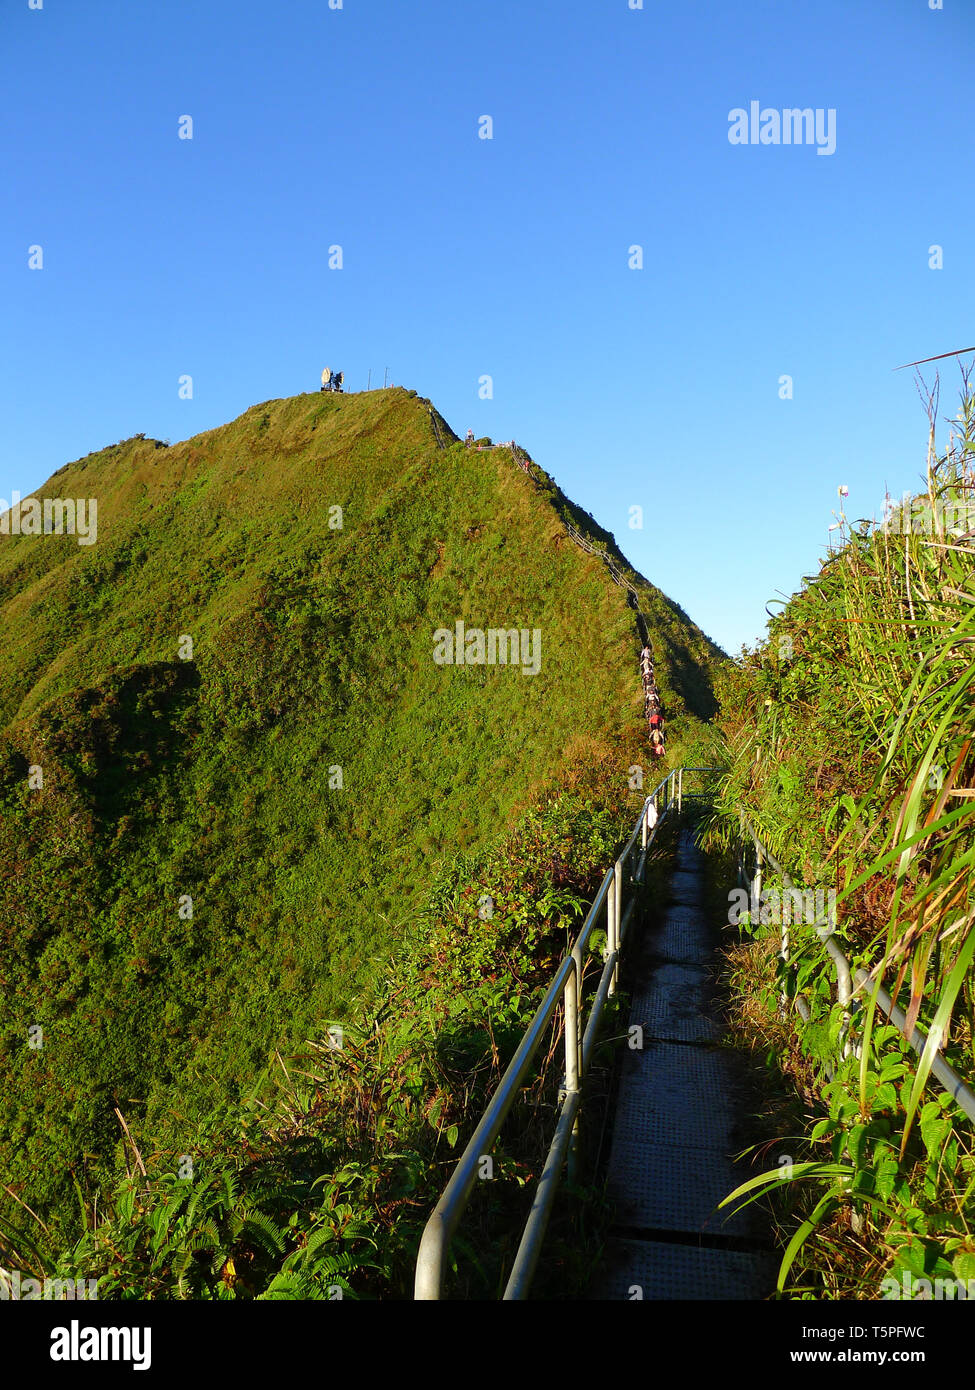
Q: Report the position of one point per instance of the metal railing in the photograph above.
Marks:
(850, 982)
(436, 429)
(579, 1041)
(602, 554)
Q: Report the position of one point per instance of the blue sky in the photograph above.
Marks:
(506, 257)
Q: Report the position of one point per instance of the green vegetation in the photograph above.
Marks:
(317, 1183)
(849, 740)
(232, 840)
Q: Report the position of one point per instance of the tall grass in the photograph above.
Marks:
(850, 738)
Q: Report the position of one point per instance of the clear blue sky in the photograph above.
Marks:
(465, 257)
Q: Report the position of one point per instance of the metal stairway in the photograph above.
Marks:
(677, 1124)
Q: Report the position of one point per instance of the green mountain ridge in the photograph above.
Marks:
(230, 769)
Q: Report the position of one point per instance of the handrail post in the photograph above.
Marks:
(611, 919)
(617, 904)
(844, 984)
(756, 893)
(572, 1078)
(680, 790)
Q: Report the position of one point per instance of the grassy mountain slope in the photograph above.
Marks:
(849, 741)
(228, 839)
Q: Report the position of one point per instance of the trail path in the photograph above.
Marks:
(681, 1114)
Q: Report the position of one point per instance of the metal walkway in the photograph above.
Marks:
(683, 1109)
(681, 1115)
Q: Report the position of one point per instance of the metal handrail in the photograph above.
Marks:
(850, 982)
(579, 1046)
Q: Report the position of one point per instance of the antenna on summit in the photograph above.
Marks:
(332, 381)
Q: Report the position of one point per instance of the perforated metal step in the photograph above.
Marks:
(675, 1004)
(678, 1095)
(680, 1119)
(656, 1270)
(680, 937)
(665, 1187)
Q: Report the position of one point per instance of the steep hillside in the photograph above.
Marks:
(849, 746)
(231, 767)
